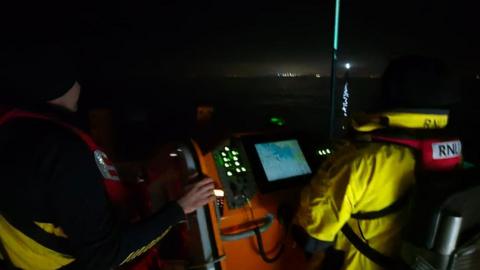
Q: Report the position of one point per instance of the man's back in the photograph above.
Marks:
(359, 178)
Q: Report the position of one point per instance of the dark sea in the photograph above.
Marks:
(147, 111)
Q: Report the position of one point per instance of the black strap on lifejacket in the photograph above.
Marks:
(369, 252)
(392, 208)
(58, 244)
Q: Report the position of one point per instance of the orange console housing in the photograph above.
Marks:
(244, 253)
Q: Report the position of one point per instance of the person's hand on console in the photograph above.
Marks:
(197, 195)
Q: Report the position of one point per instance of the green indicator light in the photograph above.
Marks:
(224, 154)
(235, 153)
(238, 170)
(324, 152)
(243, 169)
(237, 163)
(235, 158)
(226, 148)
(227, 165)
(277, 121)
(229, 173)
(226, 159)
(219, 159)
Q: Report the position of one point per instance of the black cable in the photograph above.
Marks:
(261, 249)
(258, 236)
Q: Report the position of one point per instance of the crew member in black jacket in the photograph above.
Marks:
(56, 185)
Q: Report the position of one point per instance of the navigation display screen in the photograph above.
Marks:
(282, 159)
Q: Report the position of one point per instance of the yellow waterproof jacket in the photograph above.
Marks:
(363, 177)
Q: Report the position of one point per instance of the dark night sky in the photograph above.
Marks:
(126, 52)
(251, 38)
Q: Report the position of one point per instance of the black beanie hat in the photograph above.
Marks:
(419, 82)
(35, 75)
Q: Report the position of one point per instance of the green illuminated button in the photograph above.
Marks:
(277, 121)
(226, 159)
(229, 173)
(324, 152)
(227, 148)
(235, 158)
(227, 165)
(235, 153)
(243, 169)
(224, 154)
(237, 163)
(238, 170)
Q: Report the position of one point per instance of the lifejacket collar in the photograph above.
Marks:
(405, 119)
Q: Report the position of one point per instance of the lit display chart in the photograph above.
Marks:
(235, 174)
(282, 159)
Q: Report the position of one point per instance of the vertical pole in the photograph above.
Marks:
(333, 75)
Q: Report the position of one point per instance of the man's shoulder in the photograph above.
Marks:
(361, 156)
(40, 132)
(380, 150)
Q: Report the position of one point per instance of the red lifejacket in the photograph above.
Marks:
(118, 193)
(434, 154)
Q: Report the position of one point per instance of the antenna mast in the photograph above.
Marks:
(333, 74)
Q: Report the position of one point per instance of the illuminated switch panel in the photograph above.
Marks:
(230, 160)
(324, 152)
(235, 174)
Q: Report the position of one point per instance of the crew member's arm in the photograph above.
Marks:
(85, 213)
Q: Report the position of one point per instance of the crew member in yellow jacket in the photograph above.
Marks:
(368, 177)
